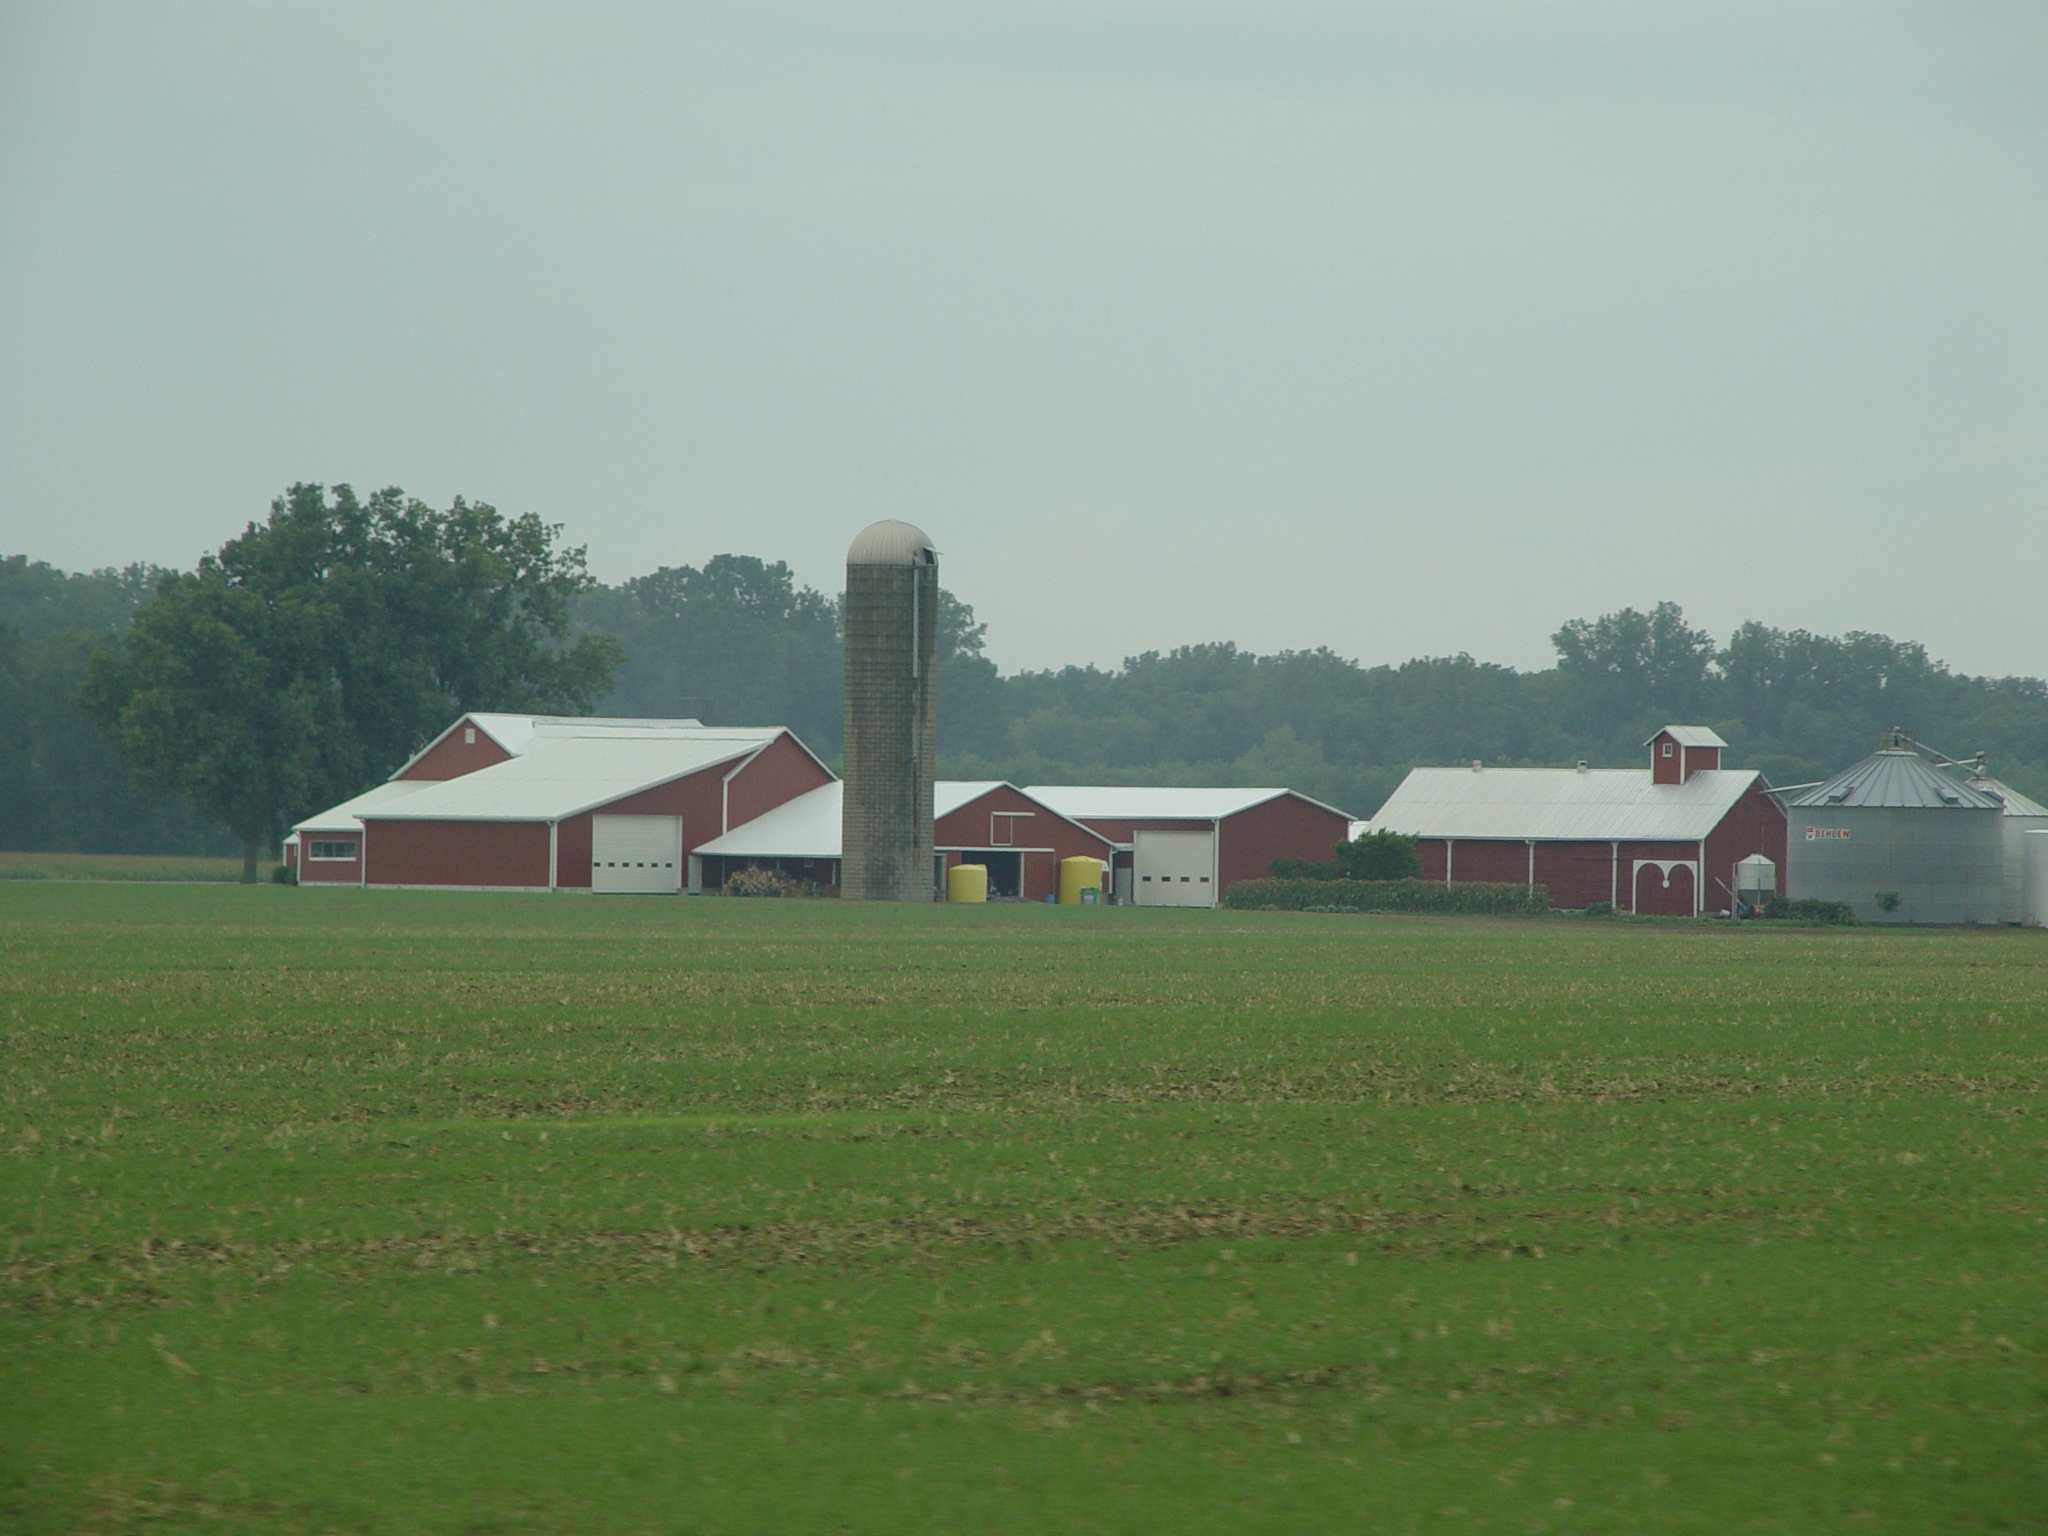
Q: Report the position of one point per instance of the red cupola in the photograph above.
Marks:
(1679, 751)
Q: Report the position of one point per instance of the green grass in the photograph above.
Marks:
(415, 1212)
(123, 866)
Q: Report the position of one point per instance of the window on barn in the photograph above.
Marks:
(1002, 827)
(1667, 749)
(336, 849)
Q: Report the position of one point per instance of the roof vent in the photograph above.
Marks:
(1476, 765)
(1582, 765)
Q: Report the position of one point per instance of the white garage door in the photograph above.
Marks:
(636, 853)
(1174, 869)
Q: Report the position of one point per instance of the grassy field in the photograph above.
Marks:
(122, 866)
(413, 1212)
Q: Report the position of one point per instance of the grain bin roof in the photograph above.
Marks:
(1898, 778)
(2016, 804)
(1561, 804)
(890, 542)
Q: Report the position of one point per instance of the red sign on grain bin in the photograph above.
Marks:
(1827, 834)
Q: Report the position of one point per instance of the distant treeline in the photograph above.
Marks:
(741, 642)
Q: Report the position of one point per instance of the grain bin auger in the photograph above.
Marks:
(892, 622)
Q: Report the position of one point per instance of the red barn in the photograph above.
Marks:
(1186, 847)
(535, 803)
(1659, 841)
(1019, 840)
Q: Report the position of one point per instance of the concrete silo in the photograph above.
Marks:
(892, 620)
(1895, 823)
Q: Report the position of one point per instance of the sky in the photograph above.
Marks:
(1401, 329)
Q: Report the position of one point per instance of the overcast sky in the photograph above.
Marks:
(1398, 328)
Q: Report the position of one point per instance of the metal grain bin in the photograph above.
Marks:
(1895, 823)
(2021, 817)
(1756, 880)
(2034, 866)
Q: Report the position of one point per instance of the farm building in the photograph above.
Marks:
(1186, 847)
(519, 802)
(1896, 826)
(2022, 815)
(1019, 839)
(1658, 841)
(537, 803)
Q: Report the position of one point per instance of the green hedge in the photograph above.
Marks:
(1468, 898)
(1806, 910)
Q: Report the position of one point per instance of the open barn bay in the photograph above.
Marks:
(411, 1212)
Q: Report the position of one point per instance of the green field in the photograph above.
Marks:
(122, 866)
(411, 1212)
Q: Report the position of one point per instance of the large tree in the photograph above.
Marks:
(312, 655)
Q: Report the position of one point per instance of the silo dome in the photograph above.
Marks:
(890, 542)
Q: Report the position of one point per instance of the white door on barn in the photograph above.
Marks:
(1174, 869)
(636, 853)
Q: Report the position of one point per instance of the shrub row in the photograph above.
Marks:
(1468, 898)
(1806, 910)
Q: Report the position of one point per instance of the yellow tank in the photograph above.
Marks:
(1079, 874)
(967, 882)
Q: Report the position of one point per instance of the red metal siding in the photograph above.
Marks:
(1667, 761)
(1754, 824)
(451, 757)
(967, 826)
(1661, 890)
(513, 853)
(1490, 861)
(783, 771)
(707, 805)
(695, 797)
(572, 854)
(1119, 829)
(314, 871)
(1285, 827)
(1576, 874)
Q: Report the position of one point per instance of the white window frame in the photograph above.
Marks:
(1002, 827)
(314, 845)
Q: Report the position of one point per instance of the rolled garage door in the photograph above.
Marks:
(636, 853)
(1174, 869)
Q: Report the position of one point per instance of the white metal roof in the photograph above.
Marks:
(1690, 736)
(804, 828)
(564, 772)
(513, 732)
(808, 827)
(1121, 802)
(1561, 804)
(345, 818)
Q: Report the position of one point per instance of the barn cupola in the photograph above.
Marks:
(1679, 751)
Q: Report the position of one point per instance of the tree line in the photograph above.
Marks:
(153, 711)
